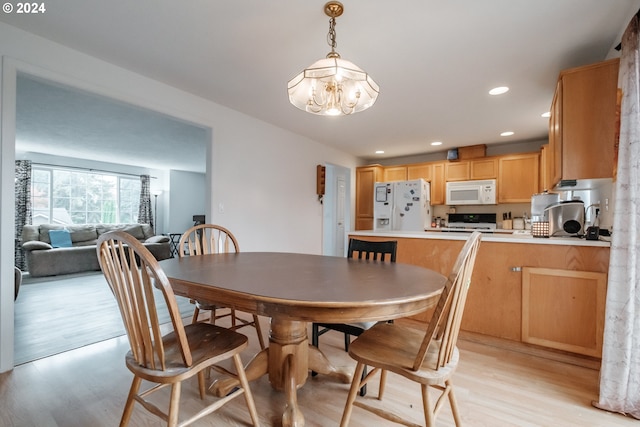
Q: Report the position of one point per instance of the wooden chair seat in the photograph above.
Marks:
(398, 354)
(209, 344)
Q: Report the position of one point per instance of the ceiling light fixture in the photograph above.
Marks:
(332, 86)
(436, 143)
(379, 151)
(546, 114)
(507, 133)
(499, 90)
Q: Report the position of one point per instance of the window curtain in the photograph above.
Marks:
(23, 207)
(620, 370)
(145, 215)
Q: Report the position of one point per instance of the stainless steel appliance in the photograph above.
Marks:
(539, 202)
(566, 218)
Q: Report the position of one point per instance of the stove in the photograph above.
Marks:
(472, 222)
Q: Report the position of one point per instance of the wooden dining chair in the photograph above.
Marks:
(212, 239)
(384, 251)
(428, 357)
(133, 273)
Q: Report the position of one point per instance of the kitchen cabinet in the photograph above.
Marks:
(582, 126)
(564, 309)
(395, 173)
(438, 184)
(366, 177)
(518, 177)
(513, 283)
(457, 171)
(433, 173)
(486, 168)
(545, 168)
(482, 168)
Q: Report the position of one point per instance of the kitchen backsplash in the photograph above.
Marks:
(602, 195)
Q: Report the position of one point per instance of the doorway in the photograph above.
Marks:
(66, 111)
(336, 210)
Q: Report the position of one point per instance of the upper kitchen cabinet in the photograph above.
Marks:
(457, 171)
(486, 168)
(518, 177)
(395, 173)
(366, 177)
(582, 127)
(433, 173)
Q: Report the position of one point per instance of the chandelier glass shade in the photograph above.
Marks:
(333, 86)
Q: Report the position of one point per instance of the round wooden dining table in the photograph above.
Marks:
(293, 289)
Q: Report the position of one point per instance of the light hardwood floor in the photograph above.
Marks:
(494, 387)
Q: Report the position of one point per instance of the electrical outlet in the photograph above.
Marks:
(221, 208)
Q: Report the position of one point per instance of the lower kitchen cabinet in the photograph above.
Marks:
(564, 309)
(544, 294)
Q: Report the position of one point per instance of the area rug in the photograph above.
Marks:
(61, 313)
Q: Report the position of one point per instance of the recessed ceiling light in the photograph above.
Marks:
(547, 114)
(379, 151)
(508, 133)
(436, 143)
(499, 90)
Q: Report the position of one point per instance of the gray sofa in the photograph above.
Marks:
(45, 260)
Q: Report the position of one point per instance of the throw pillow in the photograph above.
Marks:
(60, 238)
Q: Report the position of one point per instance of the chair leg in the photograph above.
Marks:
(233, 317)
(454, 404)
(315, 340)
(201, 383)
(347, 341)
(196, 312)
(363, 389)
(174, 404)
(383, 383)
(353, 391)
(429, 417)
(315, 337)
(244, 383)
(256, 323)
(128, 407)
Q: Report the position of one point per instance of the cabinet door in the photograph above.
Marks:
(554, 171)
(438, 184)
(395, 173)
(518, 178)
(564, 309)
(420, 170)
(366, 177)
(589, 103)
(457, 171)
(484, 169)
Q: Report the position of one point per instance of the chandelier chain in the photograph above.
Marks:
(331, 37)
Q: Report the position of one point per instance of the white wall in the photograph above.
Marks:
(263, 175)
(185, 199)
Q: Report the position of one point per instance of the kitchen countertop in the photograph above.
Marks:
(502, 236)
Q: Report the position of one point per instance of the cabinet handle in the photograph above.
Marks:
(515, 269)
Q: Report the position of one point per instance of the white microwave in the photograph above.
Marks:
(480, 192)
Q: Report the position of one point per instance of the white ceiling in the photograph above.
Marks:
(434, 60)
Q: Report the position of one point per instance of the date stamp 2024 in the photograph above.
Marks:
(24, 8)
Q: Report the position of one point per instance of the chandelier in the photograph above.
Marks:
(332, 86)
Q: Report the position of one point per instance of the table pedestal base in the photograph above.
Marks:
(287, 360)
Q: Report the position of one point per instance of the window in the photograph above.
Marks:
(68, 196)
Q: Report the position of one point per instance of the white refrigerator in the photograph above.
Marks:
(401, 205)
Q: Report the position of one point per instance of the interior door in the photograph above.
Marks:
(336, 207)
(341, 202)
